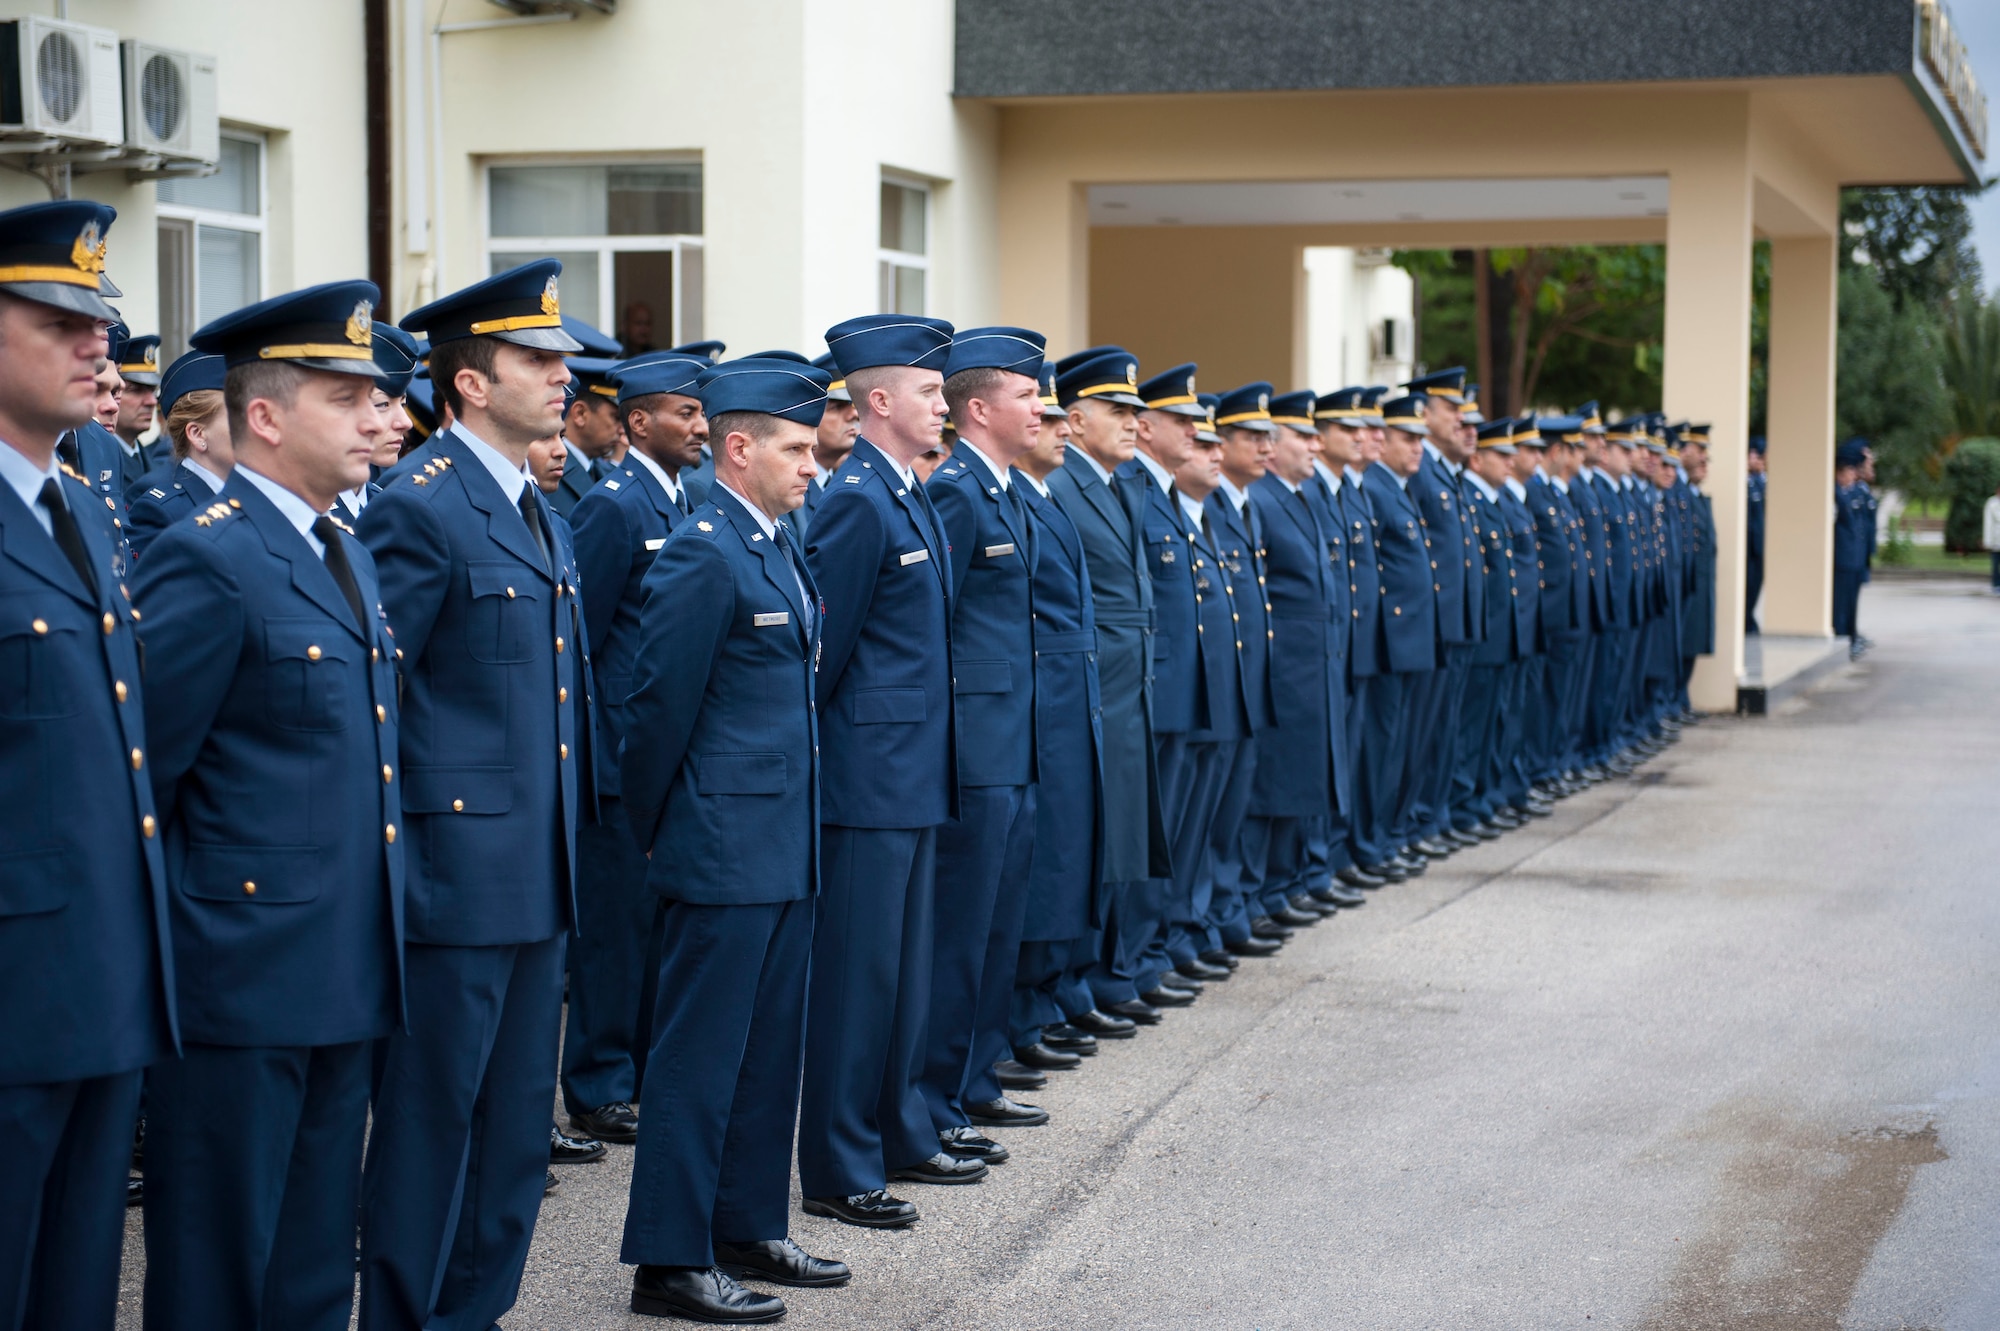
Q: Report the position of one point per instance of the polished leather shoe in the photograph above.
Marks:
(1413, 864)
(135, 1190)
(1356, 876)
(1005, 1113)
(700, 1294)
(1269, 929)
(568, 1150)
(551, 1183)
(1040, 1056)
(1137, 1010)
(1537, 808)
(969, 1143)
(1461, 838)
(1197, 969)
(616, 1122)
(780, 1261)
(870, 1210)
(1160, 998)
(1222, 958)
(941, 1168)
(1103, 1025)
(1389, 871)
(1339, 896)
(1014, 1075)
(1067, 1039)
(1294, 918)
(1432, 848)
(1310, 904)
(1254, 946)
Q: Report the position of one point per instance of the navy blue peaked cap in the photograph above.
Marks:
(1052, 408)
(837, 390)
(791, 356)
(1067, 363)
(192, 372)
(1294, 410)
(591, 340)
(54, 253)
(522, 305)
(1849, 454)
(592, 374)
(1406, 413)
(1447, 384)
(781, 388)
(1346, 406)
(138, 359)
(1498, 435)
(1110, 376)
(396, 359)
(1560, 429)
(327, 327)
(1015, 350)
(1246, 408)
(710, 351)
(1173, 392)
(889, 339)
(658, 372)
(1205, 431)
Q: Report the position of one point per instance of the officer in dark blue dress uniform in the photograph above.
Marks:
(137, 360)
(1516, 783)
(721, 790)
(992, 385)
(879, 556)
(1698, 611)
(275, 768)
(1756, 487)
(1595, 537)
(483, 605)
(201, 442)
(590, 429)
(1853, 537)
(84, 931)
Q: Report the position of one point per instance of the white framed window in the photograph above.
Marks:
(903, 262)
(628, 235)
(212, 238)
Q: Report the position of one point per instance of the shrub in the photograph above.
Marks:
(1971, 475)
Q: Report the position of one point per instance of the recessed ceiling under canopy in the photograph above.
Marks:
(1336, 202)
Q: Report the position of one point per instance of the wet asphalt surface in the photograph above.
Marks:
(1714, 1047)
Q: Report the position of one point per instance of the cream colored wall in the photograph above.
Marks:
(312, 110)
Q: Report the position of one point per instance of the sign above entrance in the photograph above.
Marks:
(1945, 58)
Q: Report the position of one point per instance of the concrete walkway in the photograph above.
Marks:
(1715, 1047)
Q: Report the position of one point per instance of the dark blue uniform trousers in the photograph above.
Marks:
(1381, 710)
(1227, 918)
(982, 882)
(1473, 760)
(1182, 934)
(714, 1159)
(1442, 757)
(604, 1043)
(867, 1004)
(1052, 983)
(62, 1201)
(1135, 954)
(1274, 852)
(1608, 660)
(460, 1144)
(253, 1179)
(1568, 684)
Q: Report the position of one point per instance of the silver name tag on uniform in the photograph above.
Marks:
(766, 621)
(915, 557)
(656, 542)
(995, 551)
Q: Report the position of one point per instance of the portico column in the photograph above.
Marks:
(1798, 526)
(1707, 369)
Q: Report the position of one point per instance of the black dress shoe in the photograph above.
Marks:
(1356, 876)
(567, 1150)
(1389, 871)
(1137, 1010)
(1222, 958)
(941, 1168)
(1161, 998)
(1339, 896)
(1048, 1060)
(1014, 1075)
(1253, 946)
(780, 1261)
(616, 1122)
(1005, 1113)
(135, 1190)
(1176, 980)
(551, 1183)
(1537, 808)
(969, 1143)
(1067, 1039)
(1269, 929)
(1505, 821)
(1462, 839)
(870, 1210)
(1292, 917)
(1198, 969)
(1413, 864)
(1432, 848)
(700, 1294)
(1104, 1026)
(1319, 901)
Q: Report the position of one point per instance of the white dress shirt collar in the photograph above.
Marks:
(295, 510)
(1161, 476)
(510, 478)
(998, 471)
(1518, 490)
(1192, 507)
(1237, 498)
(1040, 488)
(576, 453)
(1095, 465)
(1492, 495)
(670, 484)
(215, 483)
(1327, 474)
(764, 523)
(27, 481)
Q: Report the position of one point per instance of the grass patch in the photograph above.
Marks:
(1931, 559)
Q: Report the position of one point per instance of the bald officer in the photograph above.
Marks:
(483, 605)
(275, 768)
(721, 786)
(83, 931)
(879, 554)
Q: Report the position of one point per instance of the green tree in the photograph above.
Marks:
(1971, 474)
(1972, 367)
(1890, 388)
(1918, 241)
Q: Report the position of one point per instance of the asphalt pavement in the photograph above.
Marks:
(1714, 1047)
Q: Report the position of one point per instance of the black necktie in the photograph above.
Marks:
(681, 500)
(531, 513)
(62, 525)
(69, 451)
(784, 539)
(328, 532)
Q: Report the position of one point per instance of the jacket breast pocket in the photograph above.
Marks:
(305, 688)
(983, 677)
(252, 875)
(740, 773)
(875, 707)
(34, 684)
(34, 884)
(506, 615)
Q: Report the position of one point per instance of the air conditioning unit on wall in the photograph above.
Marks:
(170, 103)
(61, 80)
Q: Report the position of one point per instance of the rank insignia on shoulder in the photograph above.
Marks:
(418, 479)
(202, 520)
(157, 494)
(70, 472)
(853, 480)
(611, 485)
(705, 526)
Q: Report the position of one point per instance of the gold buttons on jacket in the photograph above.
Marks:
(559, 646)
(388, 774)
(138, 759)
(381, 714)
(313, 653)
(249, 889)
(40, 626)
(458, 806)
(562, 695)
(147, 826)
(110, 624)
(563, 750)
(389, 834)
(119, 691)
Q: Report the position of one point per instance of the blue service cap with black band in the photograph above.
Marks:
(592, 375)
(1246, 408)
(138, 360)
(327, 327)
(781, 388)
(1111, 376)
(522, 305)
(1497, 436)
(1015, 350)
(657, 372)
(420, 404)
(1204, 431)
(1294, 410)
(54, 253)
(1406, 413)
(1346, 406)
(1173, 392)
(590, 341)
(395, 359)
(889, 339)
(193, 372)
(1052, 407)
(1447, 384)
(710, 350)
(837, 390)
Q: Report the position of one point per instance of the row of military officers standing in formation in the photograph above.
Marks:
(849, 801)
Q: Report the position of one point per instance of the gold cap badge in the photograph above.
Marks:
(551, 304)
(360, 324)
(87, 253)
